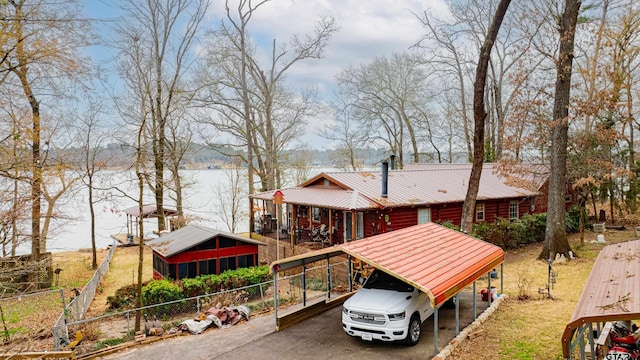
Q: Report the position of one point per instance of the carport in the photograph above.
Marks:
(435, 259)
(611, 293)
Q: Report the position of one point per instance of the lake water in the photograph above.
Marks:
(201, 204)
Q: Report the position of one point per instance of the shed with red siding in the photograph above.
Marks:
(197, 250)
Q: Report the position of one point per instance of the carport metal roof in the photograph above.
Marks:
(611, 292)
(435, 259)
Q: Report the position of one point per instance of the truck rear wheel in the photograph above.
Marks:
(413, 331)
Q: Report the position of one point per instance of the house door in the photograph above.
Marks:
(348, 225)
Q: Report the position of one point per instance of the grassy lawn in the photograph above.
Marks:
(532, 328)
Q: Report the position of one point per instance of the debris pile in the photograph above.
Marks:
(221, 317)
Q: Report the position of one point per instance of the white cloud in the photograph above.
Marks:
(366, 29)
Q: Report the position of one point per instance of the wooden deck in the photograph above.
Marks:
(124, 241)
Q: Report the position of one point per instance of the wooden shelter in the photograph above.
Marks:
(148, 211)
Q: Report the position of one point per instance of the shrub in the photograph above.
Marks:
(511, 234)
(160, 291)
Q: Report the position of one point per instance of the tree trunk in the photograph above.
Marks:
(555, 235)
(479, 116)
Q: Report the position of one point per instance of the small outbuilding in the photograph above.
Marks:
(197, 250)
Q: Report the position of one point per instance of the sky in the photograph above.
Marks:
(366, 29)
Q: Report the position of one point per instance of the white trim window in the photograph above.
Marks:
(316, 214)
(513, 210)
(480, 212)
(424, 215)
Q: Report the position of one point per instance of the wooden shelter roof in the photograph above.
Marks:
(612, 290)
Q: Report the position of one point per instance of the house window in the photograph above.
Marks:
(348, 216)
(513, 209)
(424, 216)
(479, 212)
(316, 214)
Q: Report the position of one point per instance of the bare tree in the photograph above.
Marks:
(555, 235)
(479, 116)
(41, 54)
(231, 195)
(252, 102)
(388, 98)
(164, 32)
(344, 132)
(92, 136)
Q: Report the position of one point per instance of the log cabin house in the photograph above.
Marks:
(337, 207)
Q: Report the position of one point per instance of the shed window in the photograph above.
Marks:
(513, 210)
(208, 245)
(226, 243)
(187, 270)
(316, 214)
(245, 261)
(207, 267)
(479, 212)
(172, 271)
(424, 216)
(228, 263)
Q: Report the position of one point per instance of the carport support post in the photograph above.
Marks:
(489, 288)
(304, 285)
(349, 273)
(475, 312)
(457, 301)
(328, 279)
(435, 331)
(502, 278)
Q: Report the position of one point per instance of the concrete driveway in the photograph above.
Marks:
(320, 337)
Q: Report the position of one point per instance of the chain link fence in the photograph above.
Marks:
(114, 328)
(77, 308)
(25, 320)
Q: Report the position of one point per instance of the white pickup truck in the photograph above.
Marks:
(386, 308)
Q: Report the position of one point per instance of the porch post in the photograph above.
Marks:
(330, 226)
(293, 221)
(353, 225)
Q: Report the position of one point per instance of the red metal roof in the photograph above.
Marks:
(612, 291)
(435, 259)
(438, 260)
(435, 184)
(316, 196)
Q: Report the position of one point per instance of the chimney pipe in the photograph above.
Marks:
(392, 162)
(385, 178)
